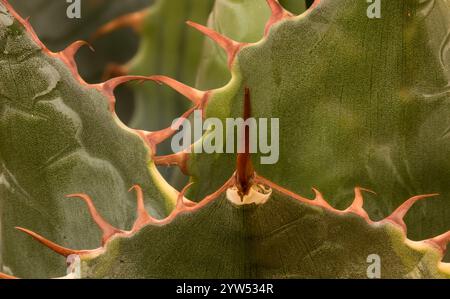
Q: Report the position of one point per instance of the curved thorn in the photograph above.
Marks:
(180, 199)
(318, 195)
(107, 229)
(72, 49)
(140, 200)
(275, 7)
(179, 159)
(358, 202)
(109, 86)
(398, 215)
(319, 199)
(68, 57)
(264, 181)
(132, 20)
(69, 53)
(184, 204)
(244, 167)
(155, 138)
(441, 241)
(215, 195)
(194, 95)
(357, 207)
(113, 83)
(230, 46)
(278, 14)
(143, 217)
(53, 246)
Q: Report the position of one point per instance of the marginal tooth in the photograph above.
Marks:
(143, 218)
(278, 14)
(194, 95)
(358, 203)
(261, 180)
(109, 86)
(155, 138)
(320, 200)
(178, 159)
(275, 7)
(53, 246)
(68, 57)
(112, 84)
(133, 20)
(440, 241)
(70, 52)
(398, 215)
(181, 200)
(230, 46)
(107, 229)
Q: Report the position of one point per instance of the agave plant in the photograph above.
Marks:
(362, 105)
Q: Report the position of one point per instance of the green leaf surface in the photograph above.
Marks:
(56, 30)
(361, 102)
(58, 137)
(240, 20)
(341, 116)
(282, 238)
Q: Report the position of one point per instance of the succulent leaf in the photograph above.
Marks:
(282, 238)
(250, 220)
(357, 106)
(58, 137)
(242, 20)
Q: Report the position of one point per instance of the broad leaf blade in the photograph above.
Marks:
(58, 137)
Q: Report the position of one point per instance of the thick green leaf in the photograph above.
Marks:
(361, 102)
(293, 74)
(56, 30)
(283, 238)
(57, 137)
(240, 20)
